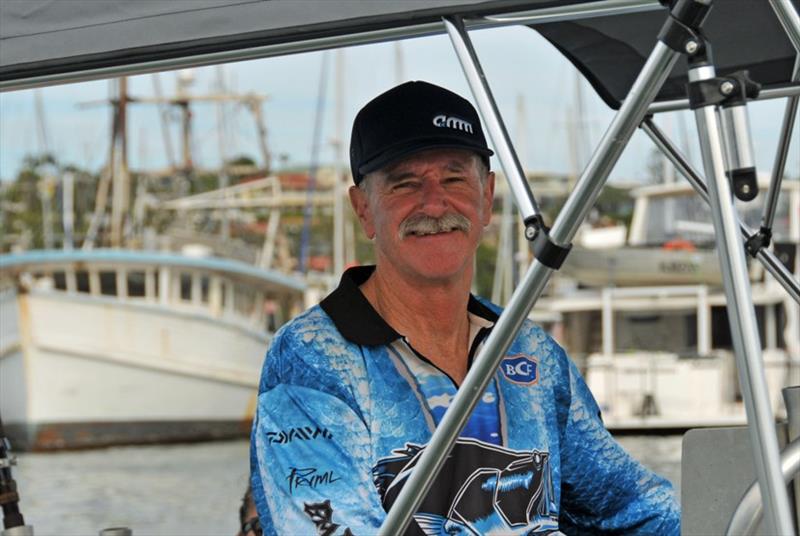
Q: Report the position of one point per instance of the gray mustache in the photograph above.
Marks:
(422, 224)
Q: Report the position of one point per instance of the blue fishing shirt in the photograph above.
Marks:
(346, 406)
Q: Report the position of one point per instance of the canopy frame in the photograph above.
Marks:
(688, 16)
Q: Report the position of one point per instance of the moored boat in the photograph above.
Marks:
(119, 346)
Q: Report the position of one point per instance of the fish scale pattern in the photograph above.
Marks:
(369, 411)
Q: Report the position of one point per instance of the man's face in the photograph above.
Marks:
(426, 212)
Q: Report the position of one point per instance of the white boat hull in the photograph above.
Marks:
(643, 266)
(658, 390)
(79, 370)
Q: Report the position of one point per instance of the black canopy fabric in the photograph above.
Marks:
(610, 51)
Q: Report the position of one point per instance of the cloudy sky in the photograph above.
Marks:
(520, 66)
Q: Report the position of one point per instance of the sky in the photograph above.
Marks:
(520, 67)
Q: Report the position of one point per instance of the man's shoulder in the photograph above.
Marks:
(310, 343)
(307, 327)
(532, 339)
(529, 328)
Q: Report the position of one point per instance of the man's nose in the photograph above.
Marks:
(434, 198)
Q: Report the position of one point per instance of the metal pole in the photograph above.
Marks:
(68, 210)
(683, 104)
(748, 513)
(780, 272)
(791, 399)
(630, 114)
(789, 20)
(491, 117)
(784, 142)
(742, 318)
(767, 258)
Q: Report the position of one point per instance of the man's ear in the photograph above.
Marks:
(488, 198)
(359, 199)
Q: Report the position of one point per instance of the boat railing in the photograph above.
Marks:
(218, 288)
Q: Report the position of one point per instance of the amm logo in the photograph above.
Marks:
(520, 369)
(452, 122)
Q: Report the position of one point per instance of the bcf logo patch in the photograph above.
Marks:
(520, 369)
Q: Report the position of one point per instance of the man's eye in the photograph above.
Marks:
(454, 180)
(405, 185)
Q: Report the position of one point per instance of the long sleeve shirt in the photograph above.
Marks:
(346, 405)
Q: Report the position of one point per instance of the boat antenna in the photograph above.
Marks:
(13, 522)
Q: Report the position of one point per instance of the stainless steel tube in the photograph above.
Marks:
(742, 318)
(491, 117)
(766, 257)
(747, 515)
(630, 114)
(582, 11)
(683, 104)
(785, 140)
(780, 272)
(789, 20)
(622, 127)
(791, 399)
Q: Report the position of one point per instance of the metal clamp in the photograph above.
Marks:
(545, 250)
(758, 241)
(682, 31)
(731, 90)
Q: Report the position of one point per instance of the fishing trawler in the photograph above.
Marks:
(159, 338)
(118, 346)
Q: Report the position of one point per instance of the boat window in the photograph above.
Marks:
(108, 283)
(663, 331)
(720, 329)
(687, 217)
(186, 286)
(721, 332)
(751, 213)
(204, 286)
(60, 280)
(82, 281)
(583, 333)
(678, 217)
(136, 284)
(244, 300)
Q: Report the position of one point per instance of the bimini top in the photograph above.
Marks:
(52, 41)
(610, 51)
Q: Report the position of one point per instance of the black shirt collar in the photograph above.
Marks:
(359, 322)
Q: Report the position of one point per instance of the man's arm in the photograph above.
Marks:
(604, 490)
(310, 465)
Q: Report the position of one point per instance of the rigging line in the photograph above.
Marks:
(314, 164)
(163, 111)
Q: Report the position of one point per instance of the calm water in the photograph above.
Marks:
(180, 489)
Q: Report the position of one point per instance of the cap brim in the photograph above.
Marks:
(393, 154)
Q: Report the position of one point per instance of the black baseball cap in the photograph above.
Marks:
(409, 118)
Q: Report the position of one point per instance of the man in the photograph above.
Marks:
(353, 389)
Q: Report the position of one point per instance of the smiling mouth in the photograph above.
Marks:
(432, 233)
(421, 225)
